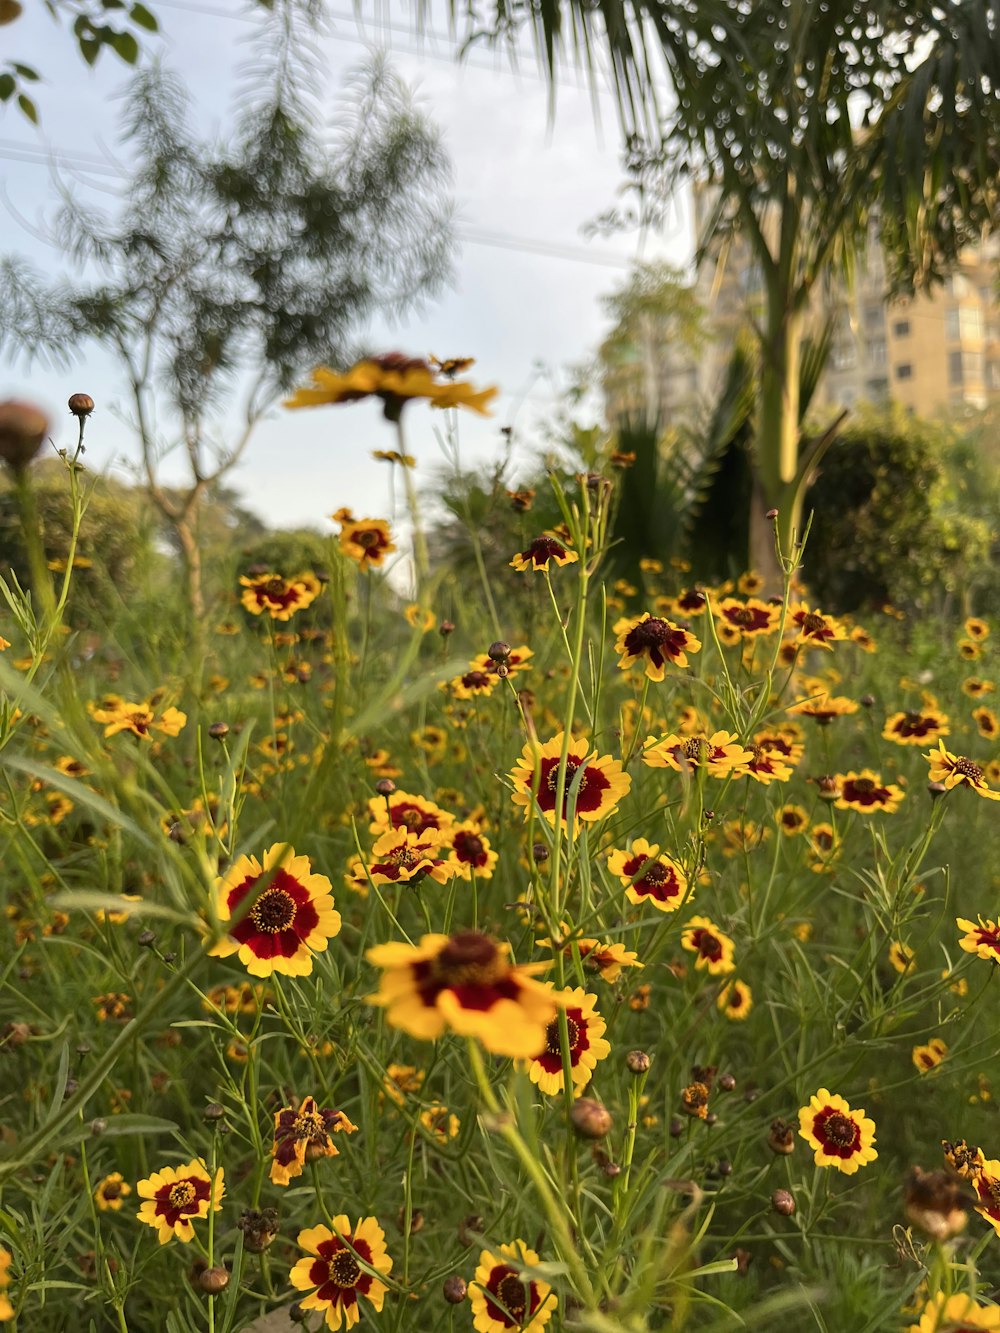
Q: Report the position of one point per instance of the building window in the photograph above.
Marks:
(970, 323)
(951, 324)
(954, 367)
(904, 371)
(876, 352)
(844, 356)
(901, 329)
(877, 390)
(972, 367)
(993, 374)
(874, 316)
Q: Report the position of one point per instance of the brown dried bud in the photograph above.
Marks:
(145, 939)
(539, 853)
(80, 404)
(297, 1314)
(611, 1170)
(936, 789)
(727, 1082)
(213, 1281)
(470, 1229)
(213, 1112)
(676, 1127)
(259, 1228)
(502, 670)
(590, 1119)
(781, 1139)
(724, 1167)
(771, 515)
(97, 1128)
(867, 701)
(23, 427)
(416, 1220)
(14, 1034)
(498, 651)
(829, 789)
(454, 1290)
(219, 731)
(385, 786)
(783, 1203)
(445, 628)
(934, 1202)
(638, 1062)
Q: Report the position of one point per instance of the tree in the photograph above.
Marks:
(229, 271)
(810, 119)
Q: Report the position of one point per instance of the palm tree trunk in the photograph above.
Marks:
(776, 455)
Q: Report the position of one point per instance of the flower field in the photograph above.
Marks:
(510, 949)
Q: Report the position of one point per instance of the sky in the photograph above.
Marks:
(525, 300)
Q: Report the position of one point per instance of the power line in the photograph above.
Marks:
(28, 155)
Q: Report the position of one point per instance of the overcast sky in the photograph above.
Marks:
(518, 181)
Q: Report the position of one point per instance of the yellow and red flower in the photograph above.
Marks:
(470, 851)
(440, 1123)
(111, 1192)
(140, 719)
(721, 754)
(278, 596)
(792, 820)
(593, 786)
(981, 939)
(6, 1258)
(586, 1045)
(648, 876)
(821, 705)
(842, 1138)
(538, 554)
(957, 771)
(750, 619)
(503, 1299)
(767, 765)
(986, 723)
(929, 1056)
(866, 793)
(655, 641)
(815, 629)
(713, 948)
(735, 1001)
(475, 683)
(986, 1183)
(960, 1313)
(401, 810)
(366, 541)
(465, 982)
(304, 1133)
(292, 916)
(606, 960)
(176, 1197)
(332, 1274)
(916, 726)
(402, 857)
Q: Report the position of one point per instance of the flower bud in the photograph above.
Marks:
(781, 1139)
(80, 404)
(771, 515)
(783, 1203)
(445, 628)
(385, 786)
(867, 701)
(454, 1289)
(498, 651)
(539, 853)
(213, 1112)
(638, 1062)
(936, 789)
(470, 1229)
(727, 1082)
(23, 427)
(98, 1127)
(213, 1281)
(590, 1119)
(145, 939)
(259, 1228)
(219, 731)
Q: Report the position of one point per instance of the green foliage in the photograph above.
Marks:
(890, 524)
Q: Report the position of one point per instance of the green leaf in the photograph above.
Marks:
(26, 72)
(90, 49)
(142, 18)
(7, 85)
(28, 107)
(119, 1126)
(126, 47)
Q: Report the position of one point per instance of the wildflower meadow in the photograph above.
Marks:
(496, 946)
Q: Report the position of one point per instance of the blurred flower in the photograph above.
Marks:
(792, 820)
(470, 850)
(593, 786)
(466, 983)
(977, 629)
(721, 754)
(292, 918)
(440, 1124)
(930, 1056)
(841, 1137)
(396, 380)
(866, 793)
(278, 596)
(986, 723)
(401, 810)
(402, 857)
(986, 1183)
(6, 1309)
(902, 959)
(331, 1272)
(540, 551)
(394, 456)
(982, 939)
(366, 541)
(111, 1192)
(815, 629)
(735, 1000)
(714, 949)
(140, 719)
(176, 1196)
(960, 1313)
(502, 1300)
(914, 728)
(750, 619)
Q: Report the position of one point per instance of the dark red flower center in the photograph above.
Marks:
(274, 910)
(476, 680)
(814, 624)
(839, 1134)
(968, 769)
(707, 944)
(553, 1040)
(469, 847)
(344, 1269)
(542, 550)
(511, 1293)
(181, 1194)
(590, 788)
(659, 638)
(916, 724)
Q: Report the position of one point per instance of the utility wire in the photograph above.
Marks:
(14, 151)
